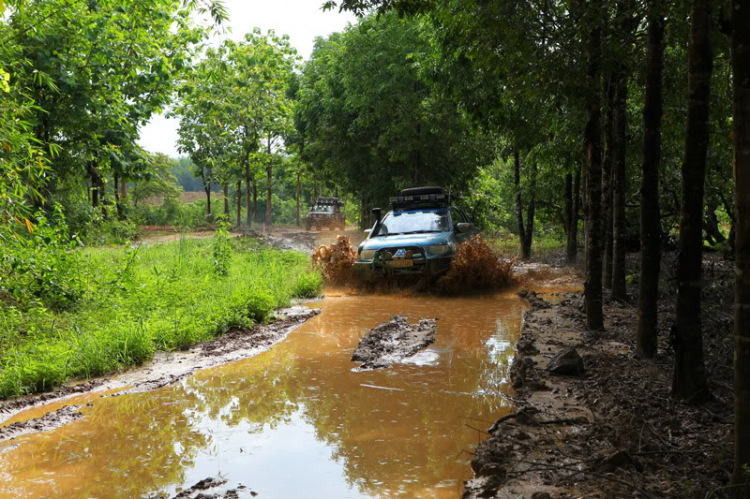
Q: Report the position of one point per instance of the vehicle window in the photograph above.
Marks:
(323, 209)
(414, 222)
(457, 216)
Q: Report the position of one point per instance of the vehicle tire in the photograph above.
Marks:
(419, 191)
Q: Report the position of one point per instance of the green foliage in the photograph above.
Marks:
(161, 183)
(164, 296)
(41, 266)
(308, 285)
(222, 249)
(172, 212)
(392, 128)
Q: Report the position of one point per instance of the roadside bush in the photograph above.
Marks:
(308, 285)
(160, 297)
(171, 212)
(222, 250)
(40, 265)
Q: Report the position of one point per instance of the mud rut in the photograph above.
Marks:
(486, 380)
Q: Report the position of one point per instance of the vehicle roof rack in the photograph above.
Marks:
(328, 202)
(420, 197)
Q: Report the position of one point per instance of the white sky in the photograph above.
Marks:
(302, 20)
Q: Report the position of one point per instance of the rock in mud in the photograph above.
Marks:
(394, 341)
(519, 371)
(526, 346)
(566, 362)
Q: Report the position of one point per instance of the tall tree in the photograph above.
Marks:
(689, 376)
(594, 239)
(741, 95)
(648, 294)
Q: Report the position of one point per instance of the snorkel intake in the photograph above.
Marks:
(378, 217)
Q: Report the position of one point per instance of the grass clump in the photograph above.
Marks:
(308, 285)
(136, 301)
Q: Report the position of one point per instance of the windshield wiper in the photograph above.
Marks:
(421, 232)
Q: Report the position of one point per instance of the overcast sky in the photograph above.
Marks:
(302, 20)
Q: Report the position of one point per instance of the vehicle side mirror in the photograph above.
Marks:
(463, 227)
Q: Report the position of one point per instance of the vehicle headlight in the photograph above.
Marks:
(439, 249)
(367, 254)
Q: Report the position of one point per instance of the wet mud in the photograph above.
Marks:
(393, 342)
(591, 420)
(49, 421)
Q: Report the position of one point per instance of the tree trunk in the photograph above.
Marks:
(741, 127)
(269, 202)
(619, 178)
(95, 179)
(519, 204)
(120, 214)
(299, 174)
(689, 376)
(123, 191)
(571, 254)
(225, 188)
(711, 224)
(248, 205)
(530, 216)
(607, 169)
(255, 199)
(239, 203)
(568, 203)
(594, 236)
(207, 190)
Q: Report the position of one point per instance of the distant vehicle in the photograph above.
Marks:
(326, 214)
(418, 236)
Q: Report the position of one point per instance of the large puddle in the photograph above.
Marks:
(297, 420)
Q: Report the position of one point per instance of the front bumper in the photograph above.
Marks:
(431, 267)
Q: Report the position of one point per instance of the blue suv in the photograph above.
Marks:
(418, 236)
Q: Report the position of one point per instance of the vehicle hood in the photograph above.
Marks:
(430, 239)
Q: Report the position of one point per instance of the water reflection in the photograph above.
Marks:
(296, 420)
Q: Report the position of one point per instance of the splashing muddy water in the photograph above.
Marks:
(297, 420)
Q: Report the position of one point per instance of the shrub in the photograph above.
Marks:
(308, 285)
(40, 265)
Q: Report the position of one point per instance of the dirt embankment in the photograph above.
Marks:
(393, 342)
(594, 421)
(163, 370)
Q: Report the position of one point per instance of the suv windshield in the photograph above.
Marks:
(414, 222)
(323, 209)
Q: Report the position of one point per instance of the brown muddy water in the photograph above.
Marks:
(298, 420)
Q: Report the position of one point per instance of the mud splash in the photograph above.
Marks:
(296, 420)
(475, 268)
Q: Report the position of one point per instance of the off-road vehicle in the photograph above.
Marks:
(326, 213)
(418, 236)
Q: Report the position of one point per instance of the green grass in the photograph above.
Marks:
(163, 297)
(543, 245)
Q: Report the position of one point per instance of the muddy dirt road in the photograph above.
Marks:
(297, 420)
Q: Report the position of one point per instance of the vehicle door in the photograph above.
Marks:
(459, 217)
